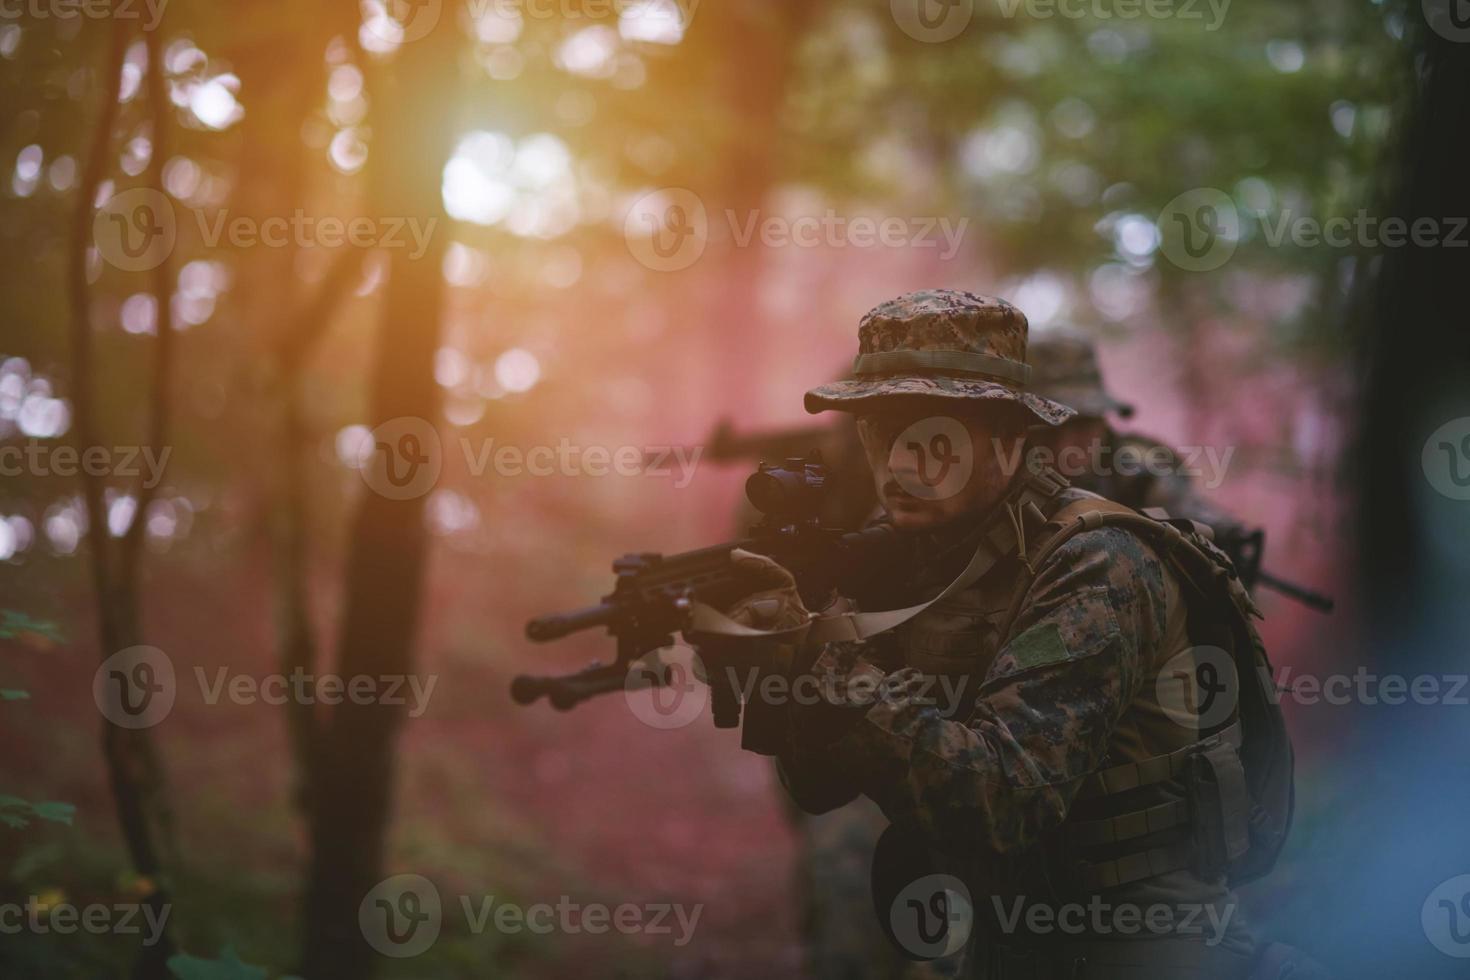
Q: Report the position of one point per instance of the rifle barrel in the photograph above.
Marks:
(1313, 600)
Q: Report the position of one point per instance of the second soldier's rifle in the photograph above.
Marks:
(1245, 550)
(653, 594)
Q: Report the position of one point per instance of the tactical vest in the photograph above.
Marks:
(1219, 800)
(1236, 796)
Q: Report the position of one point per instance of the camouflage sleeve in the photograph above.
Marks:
(1044, 713)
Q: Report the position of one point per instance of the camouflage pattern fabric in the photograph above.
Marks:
(1064, 368)
(940, 320)
(985, 785)
(1041, 722)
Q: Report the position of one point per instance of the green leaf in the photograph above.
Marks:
(14, 623)
(14, 695)
(227, 967)
(55, 812)
(18, 814)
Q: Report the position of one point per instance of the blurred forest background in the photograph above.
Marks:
(531, 133)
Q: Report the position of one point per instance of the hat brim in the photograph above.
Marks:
(1090, 402)
(854, 394)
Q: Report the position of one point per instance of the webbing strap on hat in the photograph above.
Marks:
(963, 362)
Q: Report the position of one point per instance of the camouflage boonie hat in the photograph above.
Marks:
(943, 343)
(1064, 368)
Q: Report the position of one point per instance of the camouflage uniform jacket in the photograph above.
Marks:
(986, 776)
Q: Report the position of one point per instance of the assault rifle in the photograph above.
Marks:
(1245, 550)
(652, 594)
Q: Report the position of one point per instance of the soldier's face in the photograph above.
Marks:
(933, 462)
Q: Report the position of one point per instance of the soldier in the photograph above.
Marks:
(1018, 723)
(1065, 369)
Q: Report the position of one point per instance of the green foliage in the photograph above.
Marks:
(18, 813)
(17, 625)
(11, 695)
(227, 967)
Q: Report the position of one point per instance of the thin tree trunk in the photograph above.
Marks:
(135, 774)
(353, 769)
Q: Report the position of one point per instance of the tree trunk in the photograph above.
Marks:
(352, 768)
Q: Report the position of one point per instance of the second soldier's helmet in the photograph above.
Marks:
(1064, 368)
